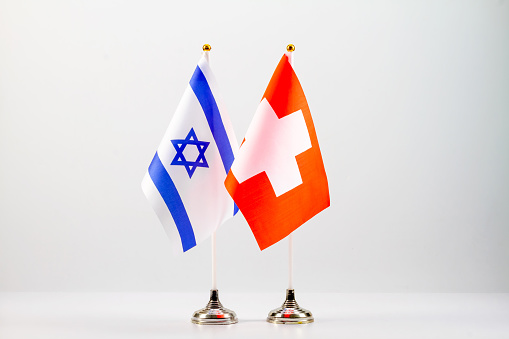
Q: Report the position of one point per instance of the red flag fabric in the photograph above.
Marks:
(278, 179)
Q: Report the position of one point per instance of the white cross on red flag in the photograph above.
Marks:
(278, 179)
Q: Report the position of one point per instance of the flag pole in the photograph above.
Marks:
(290, 312)
(290, 48)
(290, 261)
(214, 261)
(214, 313)
(206, 52)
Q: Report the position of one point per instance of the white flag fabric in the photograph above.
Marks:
(185, 180)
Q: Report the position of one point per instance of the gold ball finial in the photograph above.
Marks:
(290, 48)
(206, 47)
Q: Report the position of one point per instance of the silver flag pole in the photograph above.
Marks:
(290, 312)
(214, 313)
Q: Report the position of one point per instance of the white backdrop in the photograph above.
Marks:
(410, 102)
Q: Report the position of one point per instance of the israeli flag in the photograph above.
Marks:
(185, 181)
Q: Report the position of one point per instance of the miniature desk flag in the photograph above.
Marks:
(185, 180)
(278, 179)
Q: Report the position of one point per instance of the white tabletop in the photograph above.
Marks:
(167, 315)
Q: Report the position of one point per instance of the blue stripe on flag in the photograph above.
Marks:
(171, 197)
(202, 91)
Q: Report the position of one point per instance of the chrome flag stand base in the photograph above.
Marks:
(290, 312)
(214, 313)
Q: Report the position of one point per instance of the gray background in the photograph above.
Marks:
(410, 102)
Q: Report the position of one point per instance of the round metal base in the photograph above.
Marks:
(214, 313)
(290, 312)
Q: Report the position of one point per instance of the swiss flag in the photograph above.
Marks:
(277, 179)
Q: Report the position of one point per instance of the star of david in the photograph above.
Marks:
(180, 159)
